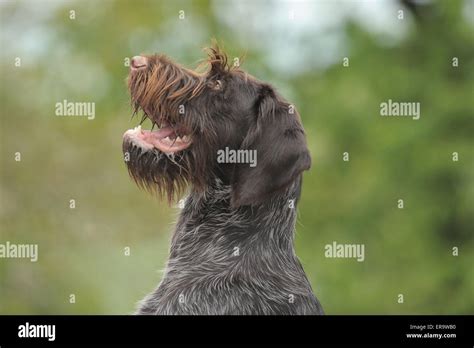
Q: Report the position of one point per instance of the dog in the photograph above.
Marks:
(232, 250)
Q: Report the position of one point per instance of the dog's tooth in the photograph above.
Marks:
(185, 138)
(178, 139)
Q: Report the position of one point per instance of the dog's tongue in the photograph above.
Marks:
(153, 136)
(165, 140)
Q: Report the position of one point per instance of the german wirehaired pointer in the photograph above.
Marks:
(232, 251)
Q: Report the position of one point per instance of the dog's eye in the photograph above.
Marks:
(216, 85)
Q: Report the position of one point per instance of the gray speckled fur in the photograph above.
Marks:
(206, 274)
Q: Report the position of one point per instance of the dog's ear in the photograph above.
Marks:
(278, 140)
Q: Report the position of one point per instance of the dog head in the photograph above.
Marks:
(201, 114)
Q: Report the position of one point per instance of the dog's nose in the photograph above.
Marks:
(138, 62)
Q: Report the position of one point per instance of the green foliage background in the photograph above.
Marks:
(81, 251)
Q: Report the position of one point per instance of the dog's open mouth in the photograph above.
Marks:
(166, 139)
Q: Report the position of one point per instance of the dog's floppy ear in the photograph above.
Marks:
(278, 139)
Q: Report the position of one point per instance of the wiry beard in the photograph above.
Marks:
(157, 172)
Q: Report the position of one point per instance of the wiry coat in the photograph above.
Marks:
(227, 261)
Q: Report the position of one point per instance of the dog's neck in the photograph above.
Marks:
(225, 260)
(209, 223)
